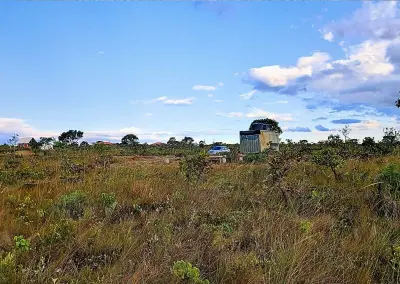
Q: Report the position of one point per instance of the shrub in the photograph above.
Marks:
(390, 177)
(7, 268)
(186, 271)
(194, 168)
(109, 202)
(74, 204)
(328, 158)
(21, 243)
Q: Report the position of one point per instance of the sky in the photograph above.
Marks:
(204, 69)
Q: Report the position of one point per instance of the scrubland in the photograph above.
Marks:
(89, 216)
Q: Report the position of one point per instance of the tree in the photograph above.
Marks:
(34, 144)
(172, 142)
(70, 137)
(328, 158)
(398, 102)
(130, 140)
(84, 144)
(202, 143)
(391, 136)
(334, 140)
(345, 132)
(13, 140)
(187, 140)
(368, 142)
(273, 123)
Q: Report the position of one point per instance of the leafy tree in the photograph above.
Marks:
(46, 140)
(391, 136)
(334, 140)
(202, 143)
(272, 122)
(328, 158)
(130, 140)
(13, 140)
(398, 102)
(187, 140)
(84, 144)
(70, 137)
(172, 142)
(368, 142)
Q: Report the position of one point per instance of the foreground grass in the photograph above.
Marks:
(87, 220)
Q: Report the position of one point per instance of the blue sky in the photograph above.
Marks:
(201, 69)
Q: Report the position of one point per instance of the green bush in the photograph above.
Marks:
(194, 168)
(109, 202)
(73, 204)
(186, 271)
(390, 177)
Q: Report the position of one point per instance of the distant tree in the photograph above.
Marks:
(391, 136)
(70, 137)
(172, 142)
(84, 144)
(303, 142)
(345, 132)
(368, 142)
(334, 140)
(398, 102)
(272, 122)
(202, 143)
(187, 140)
(130, 140)
(13, 140)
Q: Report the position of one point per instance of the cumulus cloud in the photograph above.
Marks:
(210, 95)
(217, 101)
(328, 36)
(346, 121)
(367, 74)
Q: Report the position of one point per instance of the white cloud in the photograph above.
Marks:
(281, 102)
(248, 95)
(100, 52)
(166, 101)
(217, 101)
(328, 36)
(275, 75)
(148, 114)
(210, 95)
(259, 113)
(204, 88)
(230, 114)
(207, 88)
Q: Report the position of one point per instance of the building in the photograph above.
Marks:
(24, 142)
(259, 139)
(104, 143)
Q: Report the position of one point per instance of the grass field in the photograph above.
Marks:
(85, 217)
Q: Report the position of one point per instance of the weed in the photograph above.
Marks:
(186, 271)
(21, 243)
(73, 204)
(194, 168)
(109, 202)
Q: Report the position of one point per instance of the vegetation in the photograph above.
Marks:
(312, 213)
(273, 123)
